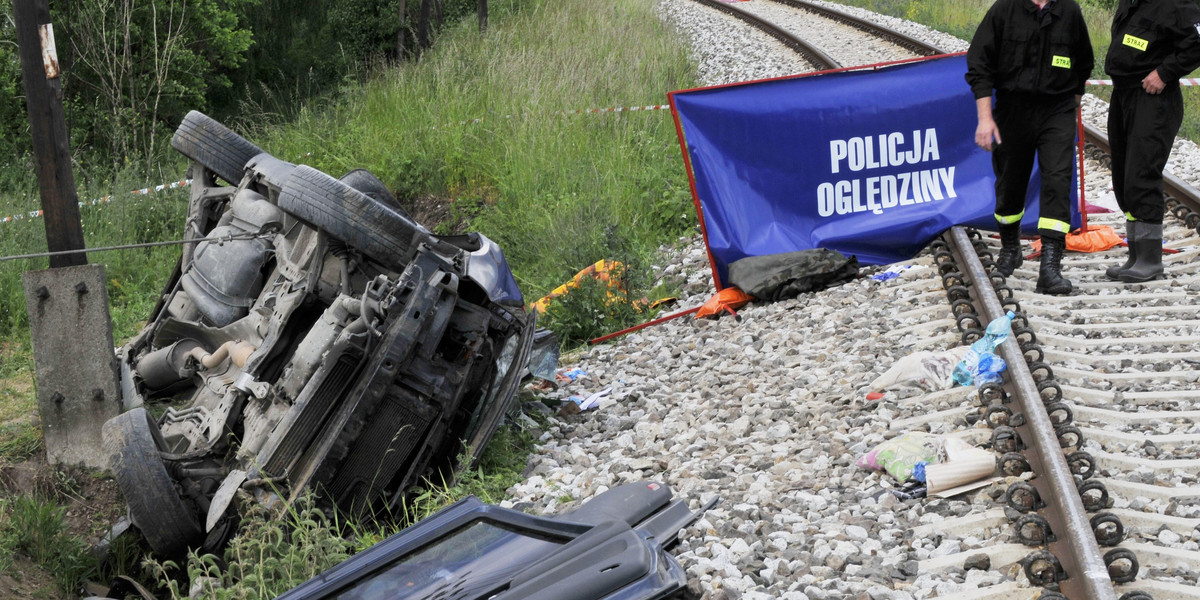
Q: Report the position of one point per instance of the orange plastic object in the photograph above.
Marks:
(603, 270)
(1097, 238)
(728, 299)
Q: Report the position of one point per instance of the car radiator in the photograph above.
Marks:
(392, 440)
(315, 413)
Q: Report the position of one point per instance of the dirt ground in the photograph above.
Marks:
(92, 503)
(92, 499)
(26, 580)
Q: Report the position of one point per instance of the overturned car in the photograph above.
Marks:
(313, 337)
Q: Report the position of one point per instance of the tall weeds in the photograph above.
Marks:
(135, 277)
(542, 183)
(275, 551)
(36, 528)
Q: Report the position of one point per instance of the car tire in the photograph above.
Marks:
(155, 506)
(350, 216)
(367, 183)
(214, 145)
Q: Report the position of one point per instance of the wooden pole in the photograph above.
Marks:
(47, 127)
(482, 15)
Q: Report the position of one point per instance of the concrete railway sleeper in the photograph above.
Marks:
(1031, 424)
(1098, 420)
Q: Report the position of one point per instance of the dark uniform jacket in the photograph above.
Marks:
(1019, 49)
(1153, 34)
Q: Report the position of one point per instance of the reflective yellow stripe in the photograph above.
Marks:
(1054, 225)
(1129, 217)
(1009, 220)
(1136, 43)
(1061, 61)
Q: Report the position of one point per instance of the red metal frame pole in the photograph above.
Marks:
(687, 165)
(1082, 187)
(682, 313)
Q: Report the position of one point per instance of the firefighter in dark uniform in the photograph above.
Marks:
(1154, 43)
(1036, 56)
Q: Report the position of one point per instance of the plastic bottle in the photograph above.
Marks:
(990, 368)
(968, 369)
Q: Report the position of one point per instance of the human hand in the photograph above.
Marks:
(1153, 84)
(986, 133)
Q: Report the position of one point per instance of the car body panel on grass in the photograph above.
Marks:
(610, 548)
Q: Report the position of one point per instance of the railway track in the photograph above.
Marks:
(1097, 425)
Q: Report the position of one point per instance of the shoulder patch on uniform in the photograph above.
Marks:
(1061, 61)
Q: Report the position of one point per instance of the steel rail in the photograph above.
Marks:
(1087, 575)
(904, 41)
(811, 53)
(1055, 482)
(1175, 187)
(1085, 569)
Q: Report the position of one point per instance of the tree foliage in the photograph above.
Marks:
(13, 121)
(133, 68)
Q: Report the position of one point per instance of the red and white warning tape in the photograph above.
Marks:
(1184, 82)
(33, 214)
(617, 109)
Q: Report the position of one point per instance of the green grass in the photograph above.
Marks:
(544, 185)
(20, 441)
(135, 277)
(275, 551)
(557, 191)
(36, 528)
(278, 549)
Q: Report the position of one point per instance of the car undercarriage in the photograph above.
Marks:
(313, 337)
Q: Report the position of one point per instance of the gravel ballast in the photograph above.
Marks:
(770, 413)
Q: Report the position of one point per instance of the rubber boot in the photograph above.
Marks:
(1114, 272)
(1149, 254)
(1050, 279)
(1010, 249)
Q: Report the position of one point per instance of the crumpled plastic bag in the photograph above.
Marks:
(927, 370)
(898, 272)
(902, 456)
(980, 364)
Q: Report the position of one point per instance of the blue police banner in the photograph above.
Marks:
(871, 163)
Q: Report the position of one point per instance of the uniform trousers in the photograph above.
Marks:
(1141, 130)
(1043, 126)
